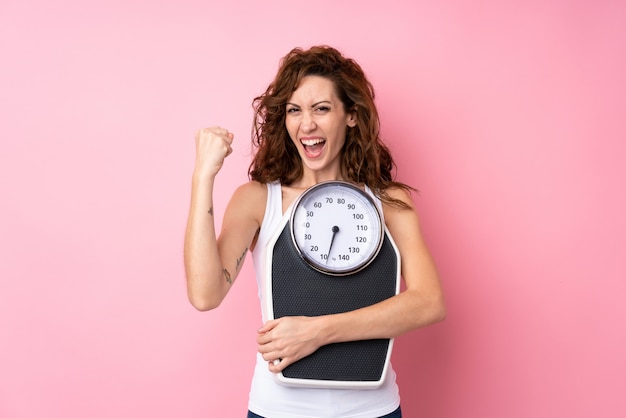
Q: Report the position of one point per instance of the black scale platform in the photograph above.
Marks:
(299, 290)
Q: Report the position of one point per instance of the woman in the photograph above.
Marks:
(315, 122)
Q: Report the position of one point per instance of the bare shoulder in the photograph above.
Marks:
(401, 220)
(250, 199)
(251, 190)
(402, 195)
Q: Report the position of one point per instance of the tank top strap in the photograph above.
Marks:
(272, 216)
(379, 203)
(275, 199)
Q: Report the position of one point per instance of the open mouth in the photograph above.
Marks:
(313, 146)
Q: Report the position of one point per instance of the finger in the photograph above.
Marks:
(213, 130)
(268, 326)
(224, 135)
(278, 365)
(263, 339)
(216, 129)
(271, 356)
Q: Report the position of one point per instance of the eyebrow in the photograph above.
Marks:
(313, 105)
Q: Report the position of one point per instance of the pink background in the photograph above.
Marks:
(508, 116)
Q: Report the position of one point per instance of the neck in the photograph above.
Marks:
(310, 178)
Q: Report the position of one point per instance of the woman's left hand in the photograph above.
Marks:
(288, 339)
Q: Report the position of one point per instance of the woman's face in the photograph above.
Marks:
(317, 124)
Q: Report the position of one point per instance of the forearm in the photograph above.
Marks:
(206, 281)
(292, 338)
(398, 315)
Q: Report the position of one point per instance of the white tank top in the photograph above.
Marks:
(272, 400)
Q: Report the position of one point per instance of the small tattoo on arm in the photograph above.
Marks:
(227, 277)
(240, 260)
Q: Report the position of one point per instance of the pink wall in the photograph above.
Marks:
(508, 117)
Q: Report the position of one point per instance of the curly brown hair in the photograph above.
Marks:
(365, 158)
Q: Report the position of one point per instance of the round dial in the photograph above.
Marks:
(336, 228)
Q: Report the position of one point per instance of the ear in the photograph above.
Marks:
(352, 118)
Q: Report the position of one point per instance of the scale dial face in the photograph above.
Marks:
(336, 228)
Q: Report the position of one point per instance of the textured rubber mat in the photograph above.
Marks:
(298, 289)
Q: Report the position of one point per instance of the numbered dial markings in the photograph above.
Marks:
(336, 228)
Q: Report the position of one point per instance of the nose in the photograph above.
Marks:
(308, 124)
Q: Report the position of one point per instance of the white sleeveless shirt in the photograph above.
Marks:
(272, 400)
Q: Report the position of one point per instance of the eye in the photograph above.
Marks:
(293, 110)
(323, 109)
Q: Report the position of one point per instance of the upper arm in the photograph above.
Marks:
(240, 225)
(417, 266)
